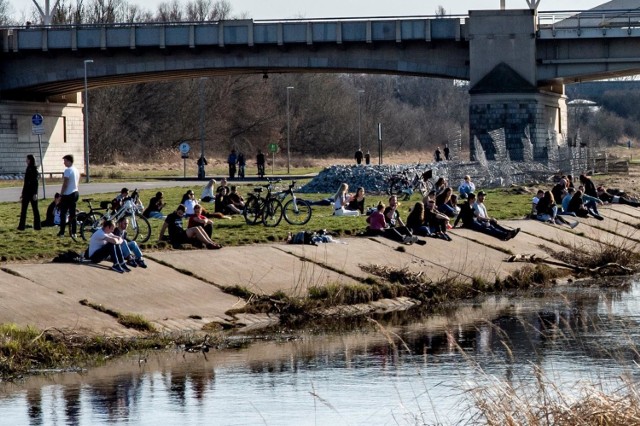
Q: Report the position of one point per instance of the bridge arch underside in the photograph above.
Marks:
(569, 61)
(65, 69)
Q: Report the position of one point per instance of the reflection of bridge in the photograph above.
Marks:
(517, 61)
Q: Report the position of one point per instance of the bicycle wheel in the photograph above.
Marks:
(297, 213)
(252, 210)
(89, 225)
(272, 213)
(140, 228)
(395, 188)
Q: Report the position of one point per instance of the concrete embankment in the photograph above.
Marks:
(183, 290)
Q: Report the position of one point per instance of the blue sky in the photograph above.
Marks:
(274, 9)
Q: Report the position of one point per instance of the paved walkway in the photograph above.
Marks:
(182, 290)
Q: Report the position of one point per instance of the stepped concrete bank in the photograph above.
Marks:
(182, 291)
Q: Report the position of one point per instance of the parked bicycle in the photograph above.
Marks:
(267, 209)
(408, 181)
(94, 214)
(295, 211)
(139, 227)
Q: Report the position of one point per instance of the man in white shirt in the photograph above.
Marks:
(104, 244)
(483, 218)
(70, 195)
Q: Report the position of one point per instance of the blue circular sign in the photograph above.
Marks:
(37, 120)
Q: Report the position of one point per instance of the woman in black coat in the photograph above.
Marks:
(30, 194)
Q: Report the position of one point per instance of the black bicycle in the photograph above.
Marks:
(267, 209)
(295, 211)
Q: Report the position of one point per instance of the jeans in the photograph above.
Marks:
(68, 205)
(129, 247)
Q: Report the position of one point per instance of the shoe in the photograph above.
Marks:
(60, 235)
(141, 263)
(118, 269)
(447, 237)
(132, 263)
(574, 224)
(421, 242)
(37, 229)
(515, 232)
(124, 267)
(214, 246)
(20, 229)
(74, 236)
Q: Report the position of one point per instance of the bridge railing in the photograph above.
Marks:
(589, 23)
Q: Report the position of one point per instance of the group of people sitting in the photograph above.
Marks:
(432, 216)
(567, 200)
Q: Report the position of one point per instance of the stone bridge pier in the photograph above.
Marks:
(504, 88)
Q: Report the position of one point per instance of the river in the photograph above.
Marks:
(401, 368)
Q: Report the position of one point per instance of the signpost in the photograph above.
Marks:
(37, 128)
(273, 148)
(184, 150)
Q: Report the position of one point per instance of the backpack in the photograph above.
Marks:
(68, 256)
(302, 237)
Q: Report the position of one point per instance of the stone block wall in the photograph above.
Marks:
(64, 134)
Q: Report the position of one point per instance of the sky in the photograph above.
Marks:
(282, 9)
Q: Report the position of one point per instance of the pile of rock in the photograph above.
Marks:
(375, 178)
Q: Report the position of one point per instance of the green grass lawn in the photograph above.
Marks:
(44, 244)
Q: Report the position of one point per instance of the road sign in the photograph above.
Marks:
(273, 147)
(37, 124)
(184, 149)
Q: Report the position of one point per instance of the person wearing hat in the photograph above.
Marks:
(154, 209)
(473, 215)
(70, 194)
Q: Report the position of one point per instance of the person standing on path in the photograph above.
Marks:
(359, 156)
(438, 155)
(241, 164)
(30, 194)
(70, 195)
(260, 162)
(232, 160)
(367, 158)
(446, 152)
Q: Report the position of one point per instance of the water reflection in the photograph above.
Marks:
(399, 368)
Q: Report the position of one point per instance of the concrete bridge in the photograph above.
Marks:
(517, 63)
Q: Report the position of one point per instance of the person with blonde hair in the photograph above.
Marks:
(208, 194)
(340, 202)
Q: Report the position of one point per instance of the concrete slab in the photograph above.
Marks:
(556, 234)
(361, 251)
(159, 294)
(621, 214)
(263, 269)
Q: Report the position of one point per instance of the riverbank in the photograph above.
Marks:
(189, 291)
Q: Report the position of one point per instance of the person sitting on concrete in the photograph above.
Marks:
(466, 187)
(483, 218)
(442, 202)
(608, 197)
(470, 221)
(437, 221)
(416, 221)
(440, 186)
(178, 235)
(566, 199)
(208, 195)
(577, 206)
(198, 219)
(393, 219)
(356, 203)
(340, 201)
(453, 203)
(379, 226)
(589, 186)
(52, 217)
(130, 249)
(558, 190)
(547, 211)
(154, 209)
(534, 204)
(104, 244)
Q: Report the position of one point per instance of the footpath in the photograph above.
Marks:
(182, 291)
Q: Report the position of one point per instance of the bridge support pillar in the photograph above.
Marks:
(504, 88)
(64, 134)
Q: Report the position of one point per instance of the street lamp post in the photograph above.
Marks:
(201, 93)
(86, 121)
(360, 92)
(288, 133)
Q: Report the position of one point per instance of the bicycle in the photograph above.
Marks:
(140, 226)
(94, 214)
(295, 211)
(409, 181)
(267, 209)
